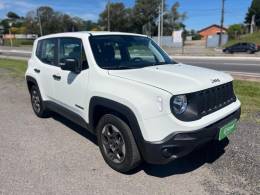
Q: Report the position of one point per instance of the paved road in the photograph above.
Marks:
(237, 66)
(247, 65)
(55, 156)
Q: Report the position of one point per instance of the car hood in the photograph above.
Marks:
(175, 78)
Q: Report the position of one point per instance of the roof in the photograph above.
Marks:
(213, 25)
(88, 33)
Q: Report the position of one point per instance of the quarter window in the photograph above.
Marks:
(46, 51)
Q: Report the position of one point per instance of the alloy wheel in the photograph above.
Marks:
(36, 101)
(113, 143)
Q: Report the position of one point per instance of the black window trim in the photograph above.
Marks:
(39, 46)
(82, 49)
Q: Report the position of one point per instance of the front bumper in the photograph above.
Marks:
(180, 144)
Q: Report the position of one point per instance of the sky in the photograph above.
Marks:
(200, 13)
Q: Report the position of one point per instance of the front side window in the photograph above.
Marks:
(127, 52)
(46, 51)
(72, 48)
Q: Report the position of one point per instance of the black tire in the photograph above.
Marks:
(249, 52)
(131, 159)
(228, 51)
(38, 105)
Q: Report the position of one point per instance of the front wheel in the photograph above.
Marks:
(117, 144)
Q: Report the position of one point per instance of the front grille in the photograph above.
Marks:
(215, 98)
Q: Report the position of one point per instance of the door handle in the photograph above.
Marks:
(56, 77)
(36, 70)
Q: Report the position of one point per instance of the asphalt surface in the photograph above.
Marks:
(55, 156)
(247, 66)
(237, 66)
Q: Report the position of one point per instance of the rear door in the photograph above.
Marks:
(71, 90)
(47, 53)
(237, 47)
(245, 47)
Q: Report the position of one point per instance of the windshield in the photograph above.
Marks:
(127, 52)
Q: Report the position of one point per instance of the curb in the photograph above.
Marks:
(15, 51)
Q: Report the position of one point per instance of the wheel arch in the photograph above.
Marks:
(30, 82)
(99, 106)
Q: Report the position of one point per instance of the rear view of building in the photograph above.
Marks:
(211, 30)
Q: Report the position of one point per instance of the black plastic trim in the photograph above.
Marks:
(31, 79)
(204, 102)
(72, 116)
(124, 111)
(179, 144)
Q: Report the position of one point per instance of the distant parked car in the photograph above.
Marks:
(242, 47)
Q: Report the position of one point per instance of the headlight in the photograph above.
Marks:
(179, 104)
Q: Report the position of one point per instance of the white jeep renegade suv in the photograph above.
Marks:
(126, 90)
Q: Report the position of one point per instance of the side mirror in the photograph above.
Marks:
(70, 64)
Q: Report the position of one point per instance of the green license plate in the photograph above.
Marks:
(227, 129)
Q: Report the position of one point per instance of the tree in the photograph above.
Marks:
(31, 23)
(145, 13)
(12, 19)
(235, 30)
(174, 19)
(253, 10)
(119, 17)
(52, 21)
(12, 15)
(91, 26)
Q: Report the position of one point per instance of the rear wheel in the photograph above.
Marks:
(228, 52)
(117, 144)
(38, 105)
(249, 52)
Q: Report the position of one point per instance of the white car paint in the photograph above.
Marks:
(175, 78)
(146, 91)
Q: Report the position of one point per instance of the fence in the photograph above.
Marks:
(167, 41)
(20, 36)
(213, 41)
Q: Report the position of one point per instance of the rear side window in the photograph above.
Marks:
(47, 51)
(72, 48)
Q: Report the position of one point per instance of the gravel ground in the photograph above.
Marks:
(55, 156)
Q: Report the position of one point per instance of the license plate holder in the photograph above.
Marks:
(227, 129)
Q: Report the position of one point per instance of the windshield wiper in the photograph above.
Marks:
(120, 67)
(160, 63)
(129, 67)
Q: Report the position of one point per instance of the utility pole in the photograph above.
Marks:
(159, 26)
(10, 34)
(221, 22)
(108, 15)
(252, 24)
(162, 17)
(40, 23)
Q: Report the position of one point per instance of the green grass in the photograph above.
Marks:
(15, 68)
(248, 92)
(19, 42)
(251, 38)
